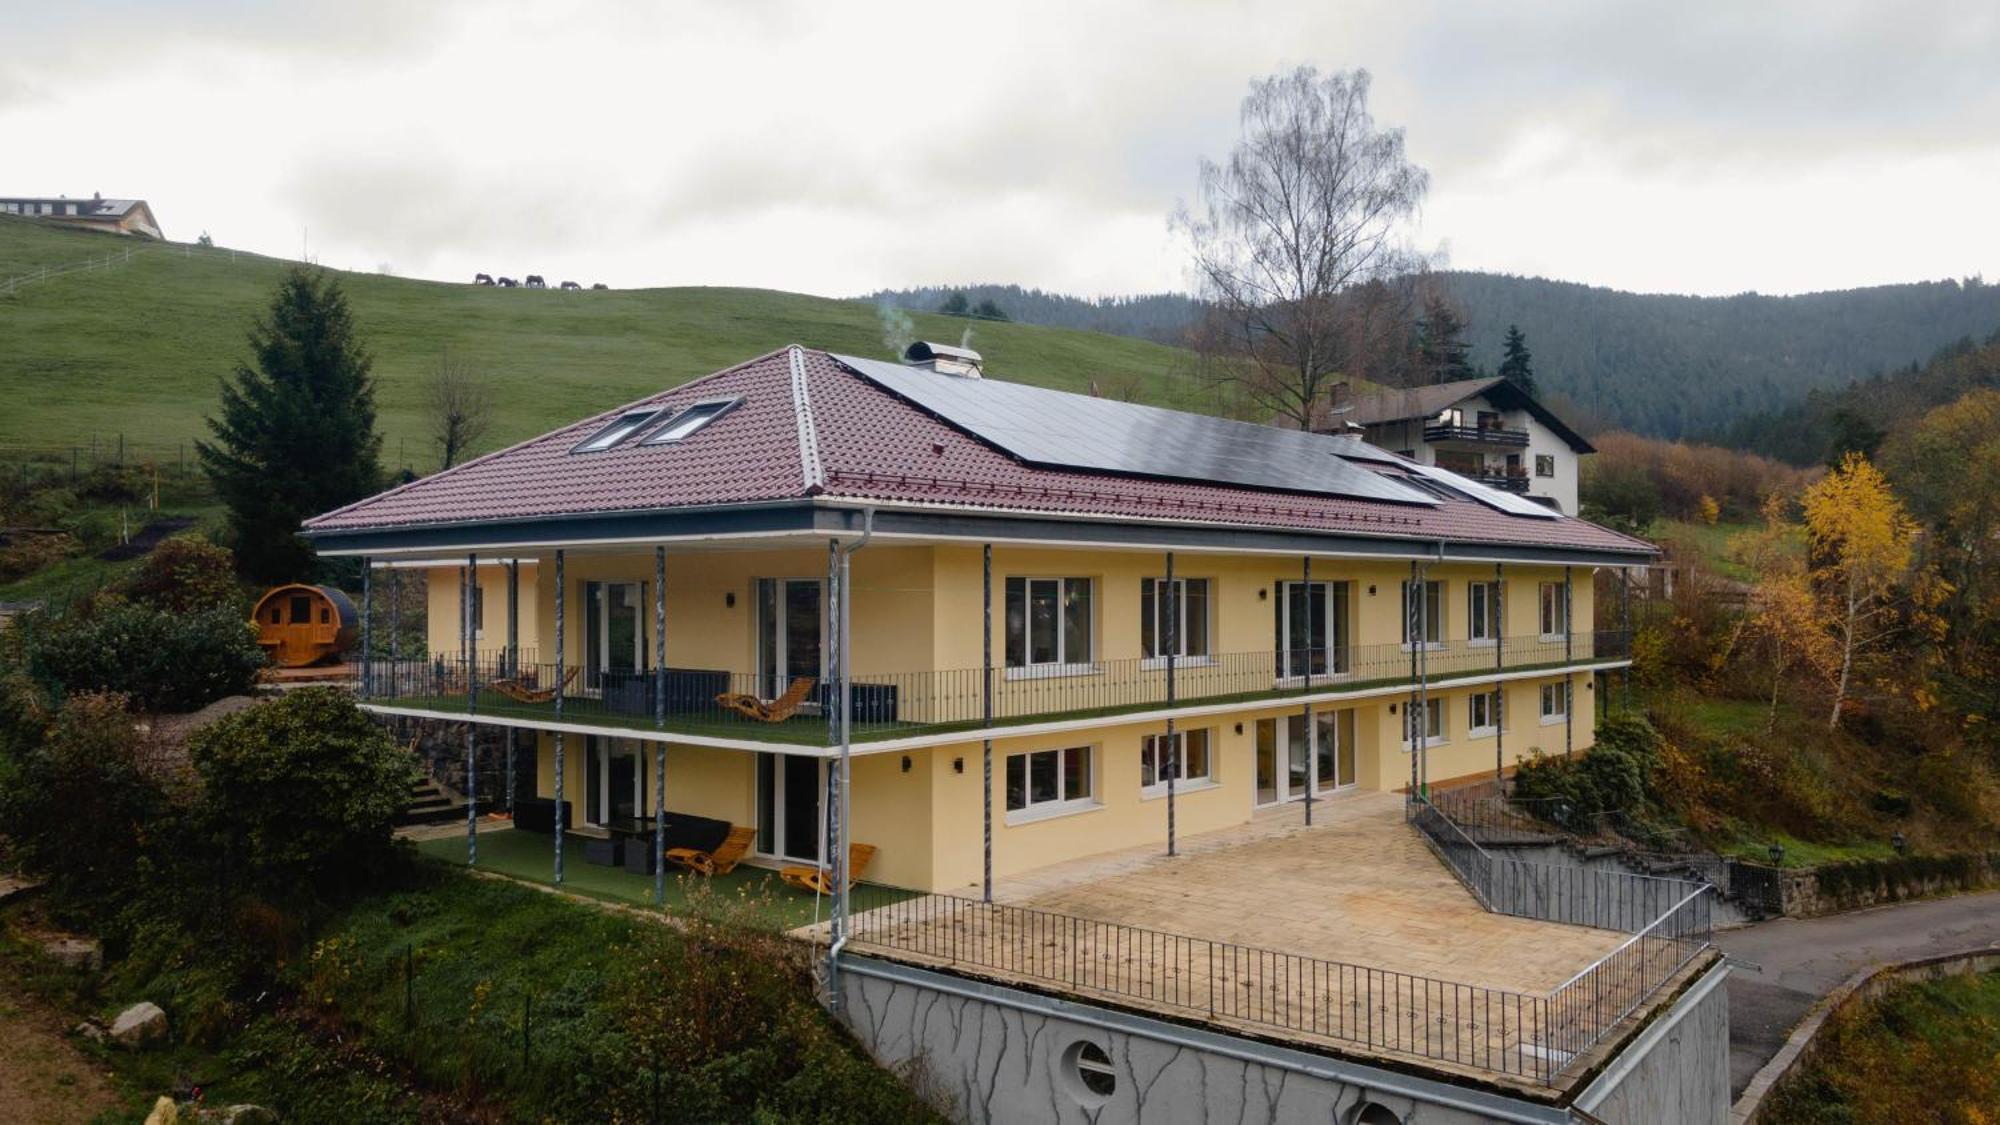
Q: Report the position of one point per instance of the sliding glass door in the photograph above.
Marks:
(614, 634)
(1312, 629)
(790, 824)
(614, 783)
(1290, 761)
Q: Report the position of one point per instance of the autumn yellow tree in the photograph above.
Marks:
(1861, 540)
(1788, 615)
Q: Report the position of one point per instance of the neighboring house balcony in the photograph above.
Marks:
(713, 706)
(1515, 481)
(1475, 437)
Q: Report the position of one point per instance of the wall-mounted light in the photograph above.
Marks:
(1392, 708)
(729, 600)
(1239, 728)
(1263, 594)
(906, 763)
(958, 765)
(1371, 589)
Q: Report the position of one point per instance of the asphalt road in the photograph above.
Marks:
(1801, 960)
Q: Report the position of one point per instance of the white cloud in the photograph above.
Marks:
(1704, 147)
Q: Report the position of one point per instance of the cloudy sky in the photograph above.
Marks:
(1691, 146)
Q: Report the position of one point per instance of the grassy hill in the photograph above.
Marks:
(137, 348)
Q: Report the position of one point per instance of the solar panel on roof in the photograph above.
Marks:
(1486, 494)
(1054, 428)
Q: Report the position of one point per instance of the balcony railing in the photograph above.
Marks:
(1476, 435)
(886, 704)
(1506, 482)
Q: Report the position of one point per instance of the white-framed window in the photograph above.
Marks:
(1555, 610)
(1050, 782)
(1482, 611)
(688, 421)
(1545, 465)
(1194, 765)
(1185, 608)
(1429, 719)
(1431, 622)
(1555, 701)
(1482, 714)
(622, 427)
(1050, 624)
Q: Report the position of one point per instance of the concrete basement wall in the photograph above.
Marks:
(986, 1053)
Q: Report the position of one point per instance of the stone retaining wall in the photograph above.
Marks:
(1809, 892)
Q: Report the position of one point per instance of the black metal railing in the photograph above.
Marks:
(1397, 1013)
(1671, 922)
(1489, 435)
(893, 704)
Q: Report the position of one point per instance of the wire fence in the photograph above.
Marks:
(92, 264)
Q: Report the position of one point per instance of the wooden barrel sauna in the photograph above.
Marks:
(300, 625)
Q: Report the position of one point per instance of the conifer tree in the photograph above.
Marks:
(1443, 355)
(296, 435)
(1516, 362)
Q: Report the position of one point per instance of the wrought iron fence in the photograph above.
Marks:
(886, 704)
(1382, 1010)
(1671, 922)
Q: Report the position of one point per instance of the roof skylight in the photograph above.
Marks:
(623, 427)
(690, 421)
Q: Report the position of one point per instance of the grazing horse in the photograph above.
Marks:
(599, 285)
(535, 282)
(482, 279)
(508, 283)
(571, 285)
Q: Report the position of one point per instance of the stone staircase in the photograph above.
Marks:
(430, 803)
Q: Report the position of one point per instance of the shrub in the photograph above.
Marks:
(80, 802)
(187, 574)
(163, 660)
(1613, 775)
(300, 795)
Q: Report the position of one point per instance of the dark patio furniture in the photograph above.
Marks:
(604, 853)
(687, 690)
(538, 814)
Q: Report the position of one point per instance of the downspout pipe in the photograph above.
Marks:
(844, 699)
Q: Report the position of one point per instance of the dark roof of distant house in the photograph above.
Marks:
(806, 426)
(1412, 403)
(97, 209)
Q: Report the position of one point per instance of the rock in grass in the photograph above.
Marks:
(165, 1112)
(139, 1025)
(248, 1115)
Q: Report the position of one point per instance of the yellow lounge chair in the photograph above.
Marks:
(819, 880)
(776, 711)
(722, 860)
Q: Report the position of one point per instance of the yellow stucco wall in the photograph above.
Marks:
(441, 608)
(919, 609)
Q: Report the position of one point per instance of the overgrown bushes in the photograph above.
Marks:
(187, 574)
(163, 660)
(1612, 776)
(299, 796)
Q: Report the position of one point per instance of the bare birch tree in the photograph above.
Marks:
(458, 406)
(1302, 242)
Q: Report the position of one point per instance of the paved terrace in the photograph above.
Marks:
(1349, 935)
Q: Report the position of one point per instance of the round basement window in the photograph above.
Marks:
(1088, 1073)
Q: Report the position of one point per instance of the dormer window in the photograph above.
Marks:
(623, 427)
(691, 421)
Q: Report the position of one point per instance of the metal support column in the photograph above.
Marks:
(367, 624)
(986, 720)
(1631, 635)
(660, 720)
(1312, 751)
(1499, 672)
(1569, 677)
(835, 658)
(1413, 597)
(1168, 605)
(561, 587)
(1424, 681)
(395, 622)
(471, 592)
(513, 617)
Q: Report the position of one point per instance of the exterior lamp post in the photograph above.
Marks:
(1900, 843)
(1777, 853)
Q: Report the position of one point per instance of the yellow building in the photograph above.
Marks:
(1143, 623)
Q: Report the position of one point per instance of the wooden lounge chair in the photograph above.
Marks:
(819, 880)
(522, 689)
(776, 711)
(722, 860)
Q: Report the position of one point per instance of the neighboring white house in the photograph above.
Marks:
(1487, 429)
(119, 216)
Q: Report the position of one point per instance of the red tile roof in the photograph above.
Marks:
(827, 431)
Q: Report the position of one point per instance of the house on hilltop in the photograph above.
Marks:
(1486, 429)
(119, 216)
